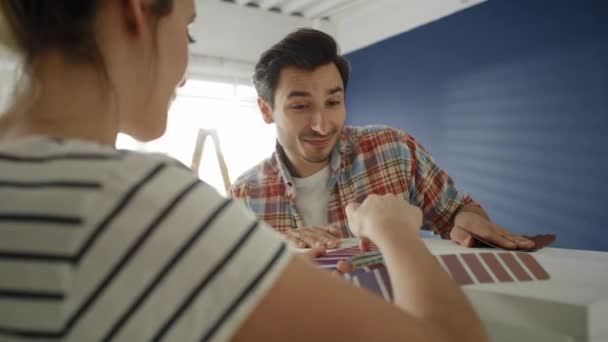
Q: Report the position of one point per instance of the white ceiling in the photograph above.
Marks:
(231, 34)
(309, 9)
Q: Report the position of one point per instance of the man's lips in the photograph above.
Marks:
(318, 142)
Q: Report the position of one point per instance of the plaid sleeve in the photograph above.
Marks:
(237, 192)
(433, 190)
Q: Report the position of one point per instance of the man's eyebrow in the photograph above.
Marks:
(335, 90)
(297, 93)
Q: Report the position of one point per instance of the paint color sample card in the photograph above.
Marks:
(464, 268)
(374, 278)
(330, 260)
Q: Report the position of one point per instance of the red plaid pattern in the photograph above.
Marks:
(367, 160)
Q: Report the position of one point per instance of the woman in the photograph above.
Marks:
(98, 244)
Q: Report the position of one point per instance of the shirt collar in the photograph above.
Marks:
(336, 162)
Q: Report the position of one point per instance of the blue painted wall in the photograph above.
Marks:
(511, 98)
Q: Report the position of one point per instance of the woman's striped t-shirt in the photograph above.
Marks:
(105, 245)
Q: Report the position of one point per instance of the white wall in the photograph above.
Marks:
(240, 33)
(231, 38)
(7, 80)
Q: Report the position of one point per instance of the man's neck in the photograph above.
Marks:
(311, 172)
(302, 168)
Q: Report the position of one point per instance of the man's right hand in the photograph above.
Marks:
(308, 237)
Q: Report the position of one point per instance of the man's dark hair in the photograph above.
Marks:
(306, 49)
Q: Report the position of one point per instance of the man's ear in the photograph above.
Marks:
(266, 111)
(134, 15)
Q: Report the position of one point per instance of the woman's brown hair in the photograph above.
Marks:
(31, 28)
(35, 26)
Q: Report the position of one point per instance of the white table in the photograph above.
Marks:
(572, 306)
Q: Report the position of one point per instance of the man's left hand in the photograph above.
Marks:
(480, 226)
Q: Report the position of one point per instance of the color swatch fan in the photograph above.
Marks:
(464, 268)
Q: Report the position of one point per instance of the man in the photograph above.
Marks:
(320, 165)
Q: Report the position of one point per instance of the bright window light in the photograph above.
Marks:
(231, 110)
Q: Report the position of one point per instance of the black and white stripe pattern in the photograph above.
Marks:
(105, 245)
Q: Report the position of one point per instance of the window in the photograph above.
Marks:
(232, 111)
(8, 80)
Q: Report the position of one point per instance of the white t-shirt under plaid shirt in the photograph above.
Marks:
(99, 245)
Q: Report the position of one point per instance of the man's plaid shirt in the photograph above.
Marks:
(366, 160)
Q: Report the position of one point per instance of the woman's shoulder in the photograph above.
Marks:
(44, 160)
